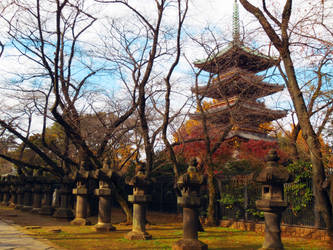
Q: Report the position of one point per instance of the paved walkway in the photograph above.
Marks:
(11, 238)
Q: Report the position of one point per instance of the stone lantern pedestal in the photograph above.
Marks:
(1, 189)
(20, 196)
(81, 211)
(27, 198)
(104, 193)
(37, 195)
(47, 188)
(20, 192)
(272, 203)
(65, 192)
(12, 191)
(104, 210)
(81, 192)
(189, 184)
(140, 198)
(5, 191)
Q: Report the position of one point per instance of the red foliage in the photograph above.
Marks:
(257, 150)
(198, 148)
(252, 150)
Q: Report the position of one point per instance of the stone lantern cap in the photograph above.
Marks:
(141, 184)
(189, 185)
(140, 180)
(48, 179)
(273, 173)
(81, 177)
(105, 174)
(29, 179)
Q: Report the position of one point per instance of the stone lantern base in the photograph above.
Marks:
(138, 236)
(189, 244)
(63, 213)
(4, 203)
(18, 206)
(35, 210)
(26, 208)
(80, 222)
(104, 227)
(46, 210)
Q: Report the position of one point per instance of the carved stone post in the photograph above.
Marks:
(27, 198)
(20, 192)
(47, 188)
(13, 191)
(139, 199)
(272, 203)
(1, 189)
(189, 184)
(65, 211)
(37, 194)
(104, 192)
(5, 191)
(81, 192)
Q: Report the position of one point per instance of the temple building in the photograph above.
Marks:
(236, 89)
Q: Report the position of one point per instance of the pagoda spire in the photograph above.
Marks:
(235, 24)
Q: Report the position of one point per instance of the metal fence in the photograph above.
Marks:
(237, 202)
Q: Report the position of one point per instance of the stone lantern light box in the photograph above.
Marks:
(272, 178)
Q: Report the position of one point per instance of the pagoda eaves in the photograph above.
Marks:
(237, 55)
(240, 112)
(237, 82)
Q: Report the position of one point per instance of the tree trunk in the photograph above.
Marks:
(293, 143)
(322, 203)
(281, 43)
(124, 206)
(211, 221)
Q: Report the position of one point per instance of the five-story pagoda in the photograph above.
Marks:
(236, 88)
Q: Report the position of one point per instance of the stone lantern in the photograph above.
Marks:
(1, 189)
(141, 184)
(27, 196)
(5, 191)
(37, 194)
(47, 183)
(20, 192)
(105, 177)
(189, 185)
(81, 211)
(13, 190)
(65, 210)
(272, 203)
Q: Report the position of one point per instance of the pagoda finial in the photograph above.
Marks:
(235, 24)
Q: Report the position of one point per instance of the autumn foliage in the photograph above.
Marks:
(190, 143)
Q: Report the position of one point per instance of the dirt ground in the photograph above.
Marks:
(117, 217)
(166, 229)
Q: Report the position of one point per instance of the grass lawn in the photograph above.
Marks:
(64, 235)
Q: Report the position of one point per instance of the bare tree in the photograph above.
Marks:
(50, 36)
(144, 42)
(279, 32)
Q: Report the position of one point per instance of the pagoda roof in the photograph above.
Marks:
(250, 135)
(237, 81)
(236, 55)
(241, 112)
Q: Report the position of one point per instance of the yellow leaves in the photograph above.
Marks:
(123, 156)
(186, 129)
(267, 126)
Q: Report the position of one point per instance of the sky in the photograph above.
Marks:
(216, 14)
